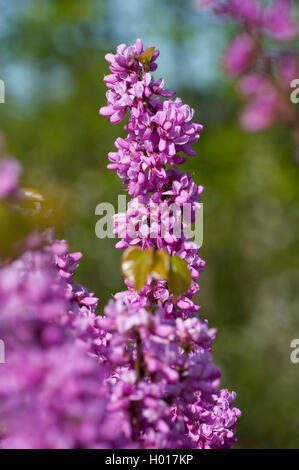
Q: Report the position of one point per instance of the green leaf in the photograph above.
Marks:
(160, 267)
(136, 265)
(145, 58)
(179, 277)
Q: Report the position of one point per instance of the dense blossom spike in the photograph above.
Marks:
(164, 380)
(142, 375)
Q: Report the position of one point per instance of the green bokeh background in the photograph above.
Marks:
(52, 63)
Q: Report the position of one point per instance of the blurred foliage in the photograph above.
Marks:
(52, 62)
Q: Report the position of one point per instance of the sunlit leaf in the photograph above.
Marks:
(160, 265)
(179, 277)
(136, 265)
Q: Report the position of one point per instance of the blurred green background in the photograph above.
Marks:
(52, 63)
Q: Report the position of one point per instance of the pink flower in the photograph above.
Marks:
(278, 21)
(10, 171)
(159, 350)
(263, 103)
(239, 55)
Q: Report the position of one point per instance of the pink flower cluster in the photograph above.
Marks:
(53, 384)
(264, 72)
(141, 375)
(52, 395)
(163, 377)
(274, 20)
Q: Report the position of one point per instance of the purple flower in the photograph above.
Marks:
(263, 104)
(239, 55)
(288, 69)
(264, 77)
(141, 375)
(278, 21)
(175, 128)
(52, 394)
(10, 171)
(275, 19)
(159, 351)
(213, 423)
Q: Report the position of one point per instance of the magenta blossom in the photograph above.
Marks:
(264, 73)
(164, 381)
(10, 171)
(239, 55)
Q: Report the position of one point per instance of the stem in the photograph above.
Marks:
(139, 363)
(140, 372)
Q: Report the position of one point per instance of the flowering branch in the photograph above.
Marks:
(264, 73)
(142, 375)
(164, 381)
